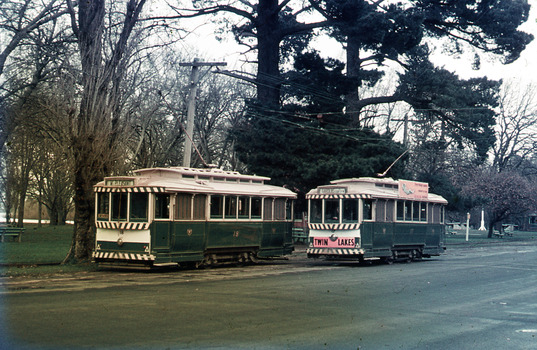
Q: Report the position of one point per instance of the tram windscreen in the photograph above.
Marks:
(103, 205)
(350, 210)
(119, 206)
(316, 211)
(139, 203)
(331, 211)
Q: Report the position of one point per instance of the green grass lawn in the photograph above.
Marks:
(476, 236)
(40, 245)
(41, 251)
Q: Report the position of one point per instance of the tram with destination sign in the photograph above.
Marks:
(375, 218)
(190, 216)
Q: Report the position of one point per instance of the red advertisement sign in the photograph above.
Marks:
(413, 189)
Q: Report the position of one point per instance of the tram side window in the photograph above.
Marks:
(162, 206)
(217, 207)
(183, 206)
(139, 202)
(199, 206)
(279, 209)
(103, 206)
(316, 211)
(400, 210)
(256, 207)
(331, 210)
(267, 211)
(368, 209)
(244, 207)
(350, 210)
(415, 211)
(423, 212)
(408, 210)
(231, 207)
(119, 206)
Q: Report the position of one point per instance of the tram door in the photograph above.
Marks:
(189, 223)
(162, 226)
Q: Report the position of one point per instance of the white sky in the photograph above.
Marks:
(524, 69)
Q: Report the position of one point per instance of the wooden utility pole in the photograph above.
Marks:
(194, 79)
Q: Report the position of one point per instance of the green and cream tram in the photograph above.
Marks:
(176, 216)
(375, 218)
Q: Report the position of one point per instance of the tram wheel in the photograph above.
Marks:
(387, 260)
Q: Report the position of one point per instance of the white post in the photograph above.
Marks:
(467, 225)
(482, 227)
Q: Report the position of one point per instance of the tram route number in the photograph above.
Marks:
(329, 242)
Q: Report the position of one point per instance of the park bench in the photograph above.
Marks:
(299, 235)
(14, 232)
(497, 234)
(508, 233)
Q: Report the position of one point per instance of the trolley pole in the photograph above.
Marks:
(191, 111)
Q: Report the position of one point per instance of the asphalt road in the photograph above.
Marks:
(482, 297)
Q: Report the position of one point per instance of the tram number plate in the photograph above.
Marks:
(334, 242)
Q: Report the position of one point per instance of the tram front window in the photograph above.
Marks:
(331, 211)
(350, 210)
(316, 211)
(139, 206)
(103, 206)
(119, 206)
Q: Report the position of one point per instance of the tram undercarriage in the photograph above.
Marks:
(389, 255)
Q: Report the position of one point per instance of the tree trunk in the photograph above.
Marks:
(353, 71)
(93, 140)
(491, 227)
(22, 200)
(84, 209)
(268, 54)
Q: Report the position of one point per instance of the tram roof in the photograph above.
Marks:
(370, 187)
(192, 180)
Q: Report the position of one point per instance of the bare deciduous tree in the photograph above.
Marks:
(94, 126)
(18, 19)
(516, 126)
(503, 195)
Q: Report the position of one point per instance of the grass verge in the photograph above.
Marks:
(40, 253)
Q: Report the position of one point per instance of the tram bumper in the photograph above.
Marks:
(341, 253)
(123, 259)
